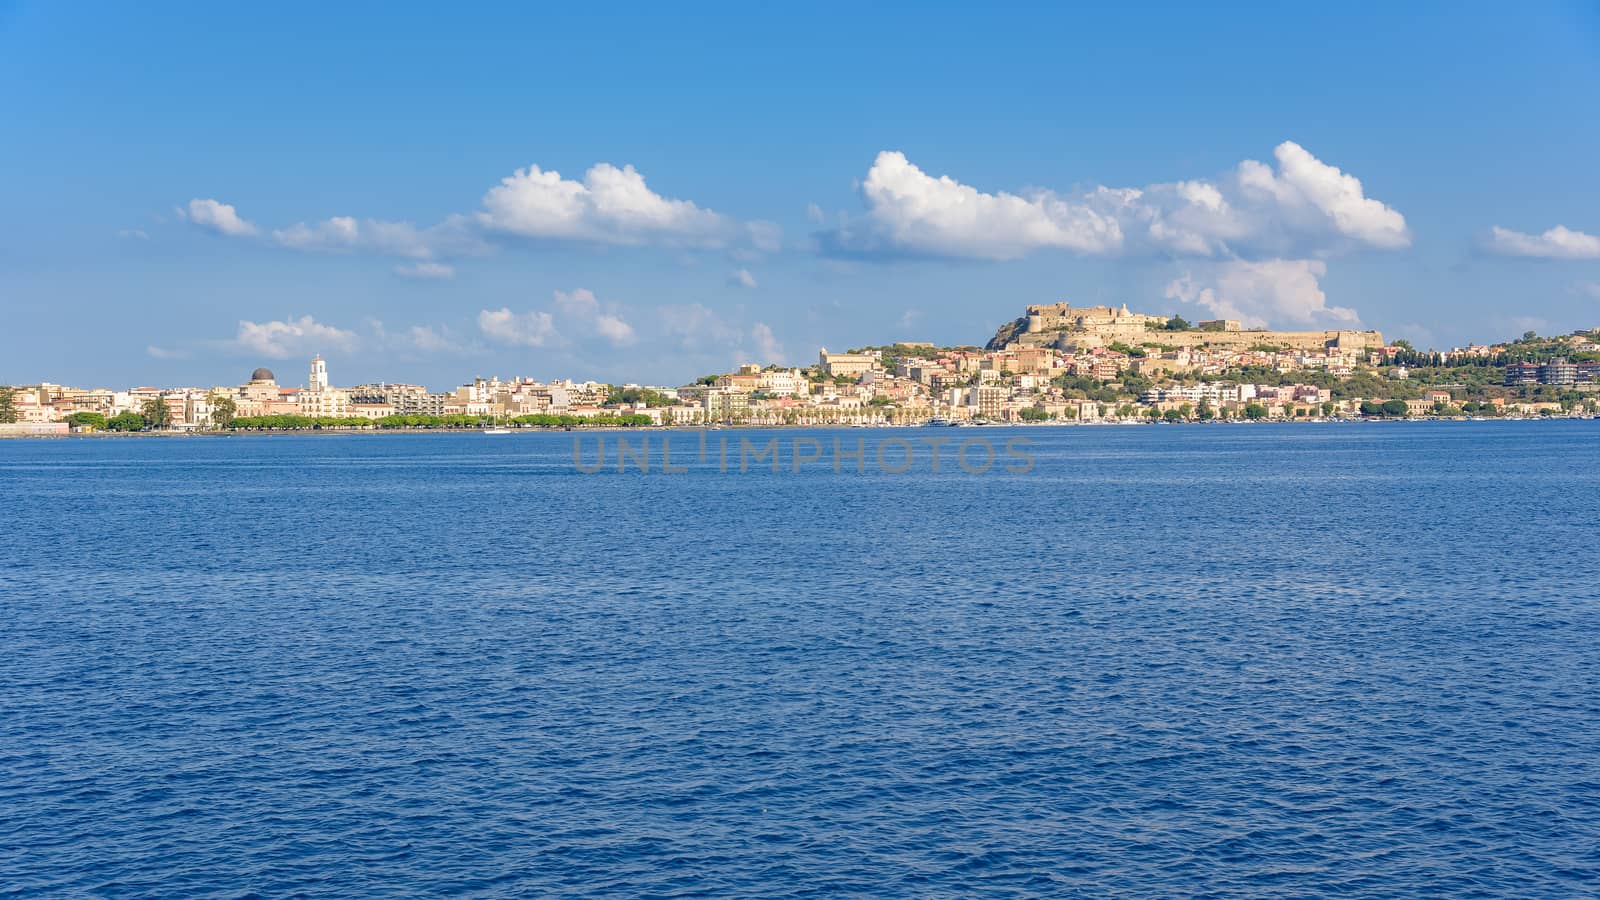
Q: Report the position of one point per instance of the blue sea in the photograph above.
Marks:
(1342, 660)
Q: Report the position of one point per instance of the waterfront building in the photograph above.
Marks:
(847, 365)
(319, 399)
(319, 375)
(404, 399)
(1558, 371)
(1522, 374)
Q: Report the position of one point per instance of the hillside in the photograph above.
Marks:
(1007, 333)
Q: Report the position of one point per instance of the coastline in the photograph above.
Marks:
(776, 426)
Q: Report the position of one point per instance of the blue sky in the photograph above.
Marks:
(190, 191)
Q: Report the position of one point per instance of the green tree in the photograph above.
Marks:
(8, 404)
(156, 414)
(88, 421)
(634, 395)
(126, 421)
(1172, 415)
(1394, 407)
(1255, 411)
(223, 411)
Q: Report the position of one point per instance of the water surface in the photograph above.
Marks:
(1355, 660)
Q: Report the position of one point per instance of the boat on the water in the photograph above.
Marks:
(497, 430)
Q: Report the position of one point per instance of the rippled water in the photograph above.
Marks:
(1356, 660)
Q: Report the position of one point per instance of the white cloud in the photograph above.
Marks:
(911, 211)
(1307, 186)
(426, 339)
(133, 234)
(1305, 204)
(765, 236)
(609, 206)
(696, 326)
(281, 339)
(164, 353)
(614, 329)
(219, 217)
(1588, 289)
(530, 329)
(426, 271)
(1559, 242)
(1277, 292)
(742, 278)
(768, 350)
(704, 334)
(344, 234)
(815, 214)
(583, 308)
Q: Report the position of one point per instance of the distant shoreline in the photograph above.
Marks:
(831, 426)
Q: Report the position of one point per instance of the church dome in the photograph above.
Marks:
(262, 374)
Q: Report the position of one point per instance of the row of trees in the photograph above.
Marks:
(152, 414)
(303, 423)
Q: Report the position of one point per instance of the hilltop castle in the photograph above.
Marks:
(1064, 327)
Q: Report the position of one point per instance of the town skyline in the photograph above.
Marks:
(1055, 362)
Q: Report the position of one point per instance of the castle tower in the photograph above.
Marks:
(319, 375)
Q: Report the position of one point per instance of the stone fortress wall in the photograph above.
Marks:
(1062, 326)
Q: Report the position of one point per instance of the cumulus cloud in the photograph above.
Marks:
(426, 271)
(1256, 211)
(614, 329)
(1275, 292)
(583, 309)
(530, 329)
(573, 313)
(911, 211)
(344, 234)
(765, 236)
(1559, 242)
(700, 331)
(282, 339)
(695, 325)
(609, 206)
(742, 278)
(219, 217)
(768, 350)
(428, 340)
(1309, 191)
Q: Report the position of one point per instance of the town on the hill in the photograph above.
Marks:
(1056, 363)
